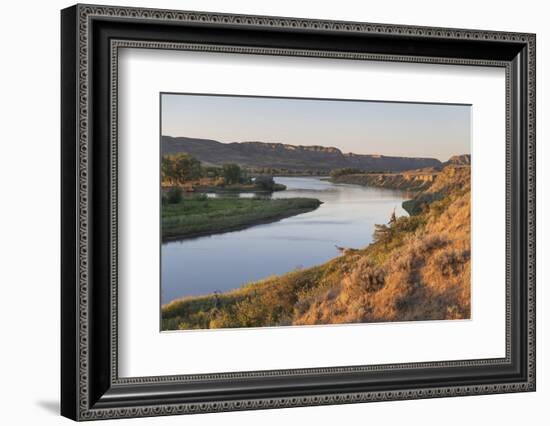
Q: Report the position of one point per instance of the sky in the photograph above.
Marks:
(362, 127)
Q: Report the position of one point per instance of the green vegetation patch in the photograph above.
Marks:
(200, 215)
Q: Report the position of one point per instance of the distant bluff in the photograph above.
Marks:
(258, 154)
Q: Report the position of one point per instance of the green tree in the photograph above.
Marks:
(180, 168)
(231, 173)
(168, 171)
(187, 167)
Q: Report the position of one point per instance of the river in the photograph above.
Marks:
(225, 261)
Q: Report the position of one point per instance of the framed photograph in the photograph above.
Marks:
(263, 212)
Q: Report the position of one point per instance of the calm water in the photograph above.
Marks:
(226, 261)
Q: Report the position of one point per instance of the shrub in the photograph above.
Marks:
(200, 197)
(174, 195)
(365, 277)
(381, 233)
(451, 262)
(343, 171)
(265, 182)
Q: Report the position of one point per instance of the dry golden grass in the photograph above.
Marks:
(427, 278)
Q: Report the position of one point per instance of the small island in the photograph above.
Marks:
(188, 211)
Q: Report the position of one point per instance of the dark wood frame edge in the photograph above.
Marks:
(88, 388)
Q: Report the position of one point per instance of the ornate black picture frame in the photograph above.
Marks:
(91, 36)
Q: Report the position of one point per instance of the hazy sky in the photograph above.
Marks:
(387, 128)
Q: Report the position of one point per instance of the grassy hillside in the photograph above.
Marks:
(192, 217)
(452, 178)
(418, 269)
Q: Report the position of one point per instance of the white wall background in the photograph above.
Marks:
(29, 213)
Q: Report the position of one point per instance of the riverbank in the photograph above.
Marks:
(192, 218)
(414, 181)
(424, 186)
(238, 188)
